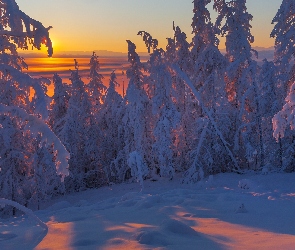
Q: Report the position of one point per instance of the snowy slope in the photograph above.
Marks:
(227, 211)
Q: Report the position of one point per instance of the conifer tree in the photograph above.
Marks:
(207, 154)
(269, 106)
(164, 109)
(79, 135)
(200, 21)
(282, 122)
(284, 34)
(110, 125)
(44, 181)
(96, 89)
(13, 163)
(21, 118)
(210, 67)
(178, 52)
(18, 30)
(242, 88)
(136, 117)
(59, 105)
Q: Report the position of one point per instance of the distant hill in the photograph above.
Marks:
(263, 49)
(102, 53)
(77, 54)
(265, 53)
(262, 53)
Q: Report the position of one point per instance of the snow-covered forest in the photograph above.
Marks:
(190, 110)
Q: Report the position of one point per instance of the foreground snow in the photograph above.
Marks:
(225, 212)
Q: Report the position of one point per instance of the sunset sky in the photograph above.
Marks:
(106, 24)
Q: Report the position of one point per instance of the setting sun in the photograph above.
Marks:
(107, 24)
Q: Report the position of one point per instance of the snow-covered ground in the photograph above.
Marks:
(227, 211)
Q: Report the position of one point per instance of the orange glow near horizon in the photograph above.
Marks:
(107, 24)
(46, 67)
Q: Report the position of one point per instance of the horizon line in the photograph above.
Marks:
(84, 52)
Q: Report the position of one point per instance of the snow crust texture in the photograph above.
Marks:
(214, 214)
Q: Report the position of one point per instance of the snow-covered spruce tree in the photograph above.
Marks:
(200, 21)
(269, 106)
(44, 183)
(18, 128)
(164, 109)
(95, 175)
(189, 79)
(111, 127)
(92, 172)
(59, 105)
(22, 30)
(282, 121)
(284, 34)
(242, 88)
(80, 136)
(178, 52)
(96, 89)
(208, 152)
(73, 134)
(18, 133)
(137, 132)
(17, 30)
(14, 163)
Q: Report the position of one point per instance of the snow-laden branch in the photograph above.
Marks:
(22, 29)
(27, 211)
(14, 33)
(26, 81)
(189, 83)
(36, 125)
(286, 117)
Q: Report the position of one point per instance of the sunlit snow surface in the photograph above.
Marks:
(227, 211)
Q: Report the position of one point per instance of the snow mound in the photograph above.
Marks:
(130, 196)
(84, 243)
(178, 227)
(60, 205)
(154, 238)
(7, 235)
(150, 201)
